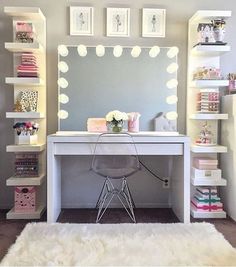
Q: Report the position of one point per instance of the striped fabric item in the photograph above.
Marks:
(28, 67)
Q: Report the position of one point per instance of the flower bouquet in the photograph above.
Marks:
(26, 133)
(115, 120)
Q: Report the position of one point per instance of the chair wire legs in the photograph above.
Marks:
(107, 194)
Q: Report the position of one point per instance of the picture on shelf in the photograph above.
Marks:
(153, 22)
(81, 20)
(118, 22)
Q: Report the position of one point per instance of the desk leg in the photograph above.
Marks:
(53, 185)
(180, 185)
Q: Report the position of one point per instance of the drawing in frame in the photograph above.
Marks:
(118, 22)
(153, 22)
(81, 20)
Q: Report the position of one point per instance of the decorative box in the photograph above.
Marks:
(96, 125)
(26, 139)
(26, 165)
(199, 173)
(205, 191)
(205, 163)
(25, 198)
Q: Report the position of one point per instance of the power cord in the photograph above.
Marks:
(156, 176)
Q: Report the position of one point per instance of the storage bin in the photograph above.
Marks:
(96, 125)
(25, 198)
(205, 163)
(26, 139)
(213, 174)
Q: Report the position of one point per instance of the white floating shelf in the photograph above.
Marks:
(24, 47)
(207, 15)
(207, 214)
(210, 50)
(25, 148)
(209, 149)
(209, 83)
(19, 181)
(208, 182)
(24, 81)
(26, 215)
(24, 115)
(200, 116)
(29, 13)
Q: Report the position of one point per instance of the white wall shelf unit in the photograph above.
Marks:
(30, 181)
(34, 16)
(200, 55)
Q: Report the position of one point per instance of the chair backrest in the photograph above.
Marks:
(115, 155)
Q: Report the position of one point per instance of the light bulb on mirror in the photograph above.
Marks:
(63, 50)
(117, 51)
(64, 99)
(136, 51)
(63, 67)
(173, 67)
(172, 115)
(100, 50)
(171, 84)
(173, 52)
(154, 51)
(173, 99)
(62, 114)
(62, 82)
(82, 50)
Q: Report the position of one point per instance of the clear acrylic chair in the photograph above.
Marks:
(117, 166)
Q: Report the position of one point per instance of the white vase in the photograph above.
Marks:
(26, 139)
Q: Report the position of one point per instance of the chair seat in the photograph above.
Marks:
(115, 173)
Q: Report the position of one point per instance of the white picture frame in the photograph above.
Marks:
(153, 22)
(81, 20)
(118, 22)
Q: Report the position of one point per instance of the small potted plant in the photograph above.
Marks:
(26, 133)
(115, 120)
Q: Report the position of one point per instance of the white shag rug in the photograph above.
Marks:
(197, 244)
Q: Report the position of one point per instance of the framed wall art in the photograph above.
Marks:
(153, 22)
(81, 20)
(118, 22)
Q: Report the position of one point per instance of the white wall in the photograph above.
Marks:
(57, 14)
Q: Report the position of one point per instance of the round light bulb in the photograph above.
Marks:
(63, 98)
(173, 83)
(173, 67)
(172, 52)
(82, 50)
(117, 51)
(173, 99)
(62, 114)
(136, 51)
(62, 50)
(154, 51)
(172, 115)
(100, 50)
(62, 82)
(63, 67)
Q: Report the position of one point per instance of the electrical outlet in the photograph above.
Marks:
(166, 182)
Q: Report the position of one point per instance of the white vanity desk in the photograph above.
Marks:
(147, 143)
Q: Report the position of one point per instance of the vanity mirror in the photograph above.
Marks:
(95, 80)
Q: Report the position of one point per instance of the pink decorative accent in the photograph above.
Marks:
(205, 163)
(96, 125)
(25, 198)
(133, 122)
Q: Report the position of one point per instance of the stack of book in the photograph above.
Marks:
(206, 199)
(26, 165)
(28, 66)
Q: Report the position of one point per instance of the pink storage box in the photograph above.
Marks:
(96, 125)
(25, 198)
(205, 163)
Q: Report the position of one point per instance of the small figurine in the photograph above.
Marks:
(206, 136)
(17, 106)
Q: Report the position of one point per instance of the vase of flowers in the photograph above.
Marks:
(115, 120)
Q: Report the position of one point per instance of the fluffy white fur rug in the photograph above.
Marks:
(197, 244)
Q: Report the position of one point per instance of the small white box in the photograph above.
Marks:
(214, 174)
(26, 139)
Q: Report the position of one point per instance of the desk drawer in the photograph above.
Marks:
(119, 149)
